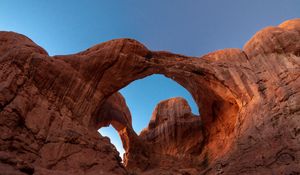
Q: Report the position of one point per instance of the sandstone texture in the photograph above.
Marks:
(173, 129)
(52, 106)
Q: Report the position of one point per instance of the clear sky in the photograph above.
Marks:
(190, 27)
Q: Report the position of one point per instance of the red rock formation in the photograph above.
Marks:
(173, 129)
(51, 108)
(114, 111)
(174, 134)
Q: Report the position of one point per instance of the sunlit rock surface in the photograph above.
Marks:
(52, 107)
(173, 129)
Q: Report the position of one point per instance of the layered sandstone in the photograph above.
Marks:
(173, 129)
(52, 107)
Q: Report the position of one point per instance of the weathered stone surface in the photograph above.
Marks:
(173, 129)
(170, 110)
(174, 134)
(51, 108)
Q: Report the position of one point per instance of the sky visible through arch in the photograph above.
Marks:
(141, 97)
(188, 27)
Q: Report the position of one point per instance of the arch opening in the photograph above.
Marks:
(143, 97)
(113, 135)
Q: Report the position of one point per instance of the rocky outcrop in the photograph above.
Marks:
(174, 134)
(173, 130)
(51, 108)
(170, 110)
(40, 133)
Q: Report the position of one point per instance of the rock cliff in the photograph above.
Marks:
(52, 106)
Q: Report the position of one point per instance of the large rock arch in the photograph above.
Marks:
(48, 104)
(127, 60)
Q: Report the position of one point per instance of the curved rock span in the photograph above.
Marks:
(52, 106)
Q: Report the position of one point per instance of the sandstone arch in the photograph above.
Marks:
(249, 101)
(169, 132)
(126, 60)
(218, 103)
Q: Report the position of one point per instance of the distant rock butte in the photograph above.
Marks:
(52, 106)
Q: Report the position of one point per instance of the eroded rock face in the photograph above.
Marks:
(173, 129)
(174, 134)
(170, 110)
(51, 108)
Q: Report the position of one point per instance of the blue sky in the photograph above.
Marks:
(188, 27)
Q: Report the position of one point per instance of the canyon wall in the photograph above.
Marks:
(52, 106)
